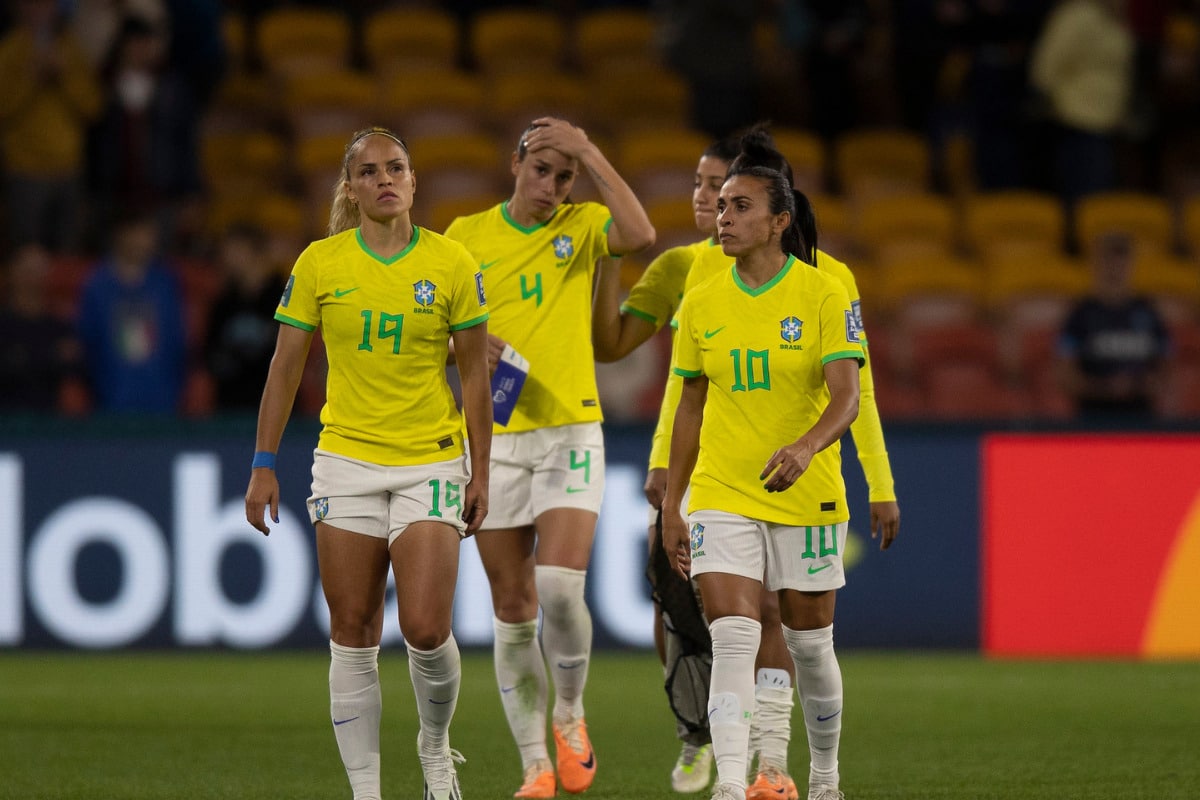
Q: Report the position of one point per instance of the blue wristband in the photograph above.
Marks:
(263, 459)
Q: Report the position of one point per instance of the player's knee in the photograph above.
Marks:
(560, 591)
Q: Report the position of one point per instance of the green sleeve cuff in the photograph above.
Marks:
(295, 323)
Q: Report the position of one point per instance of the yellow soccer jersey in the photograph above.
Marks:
(386, 325)
(763, 351)
(867, 429)
(657, 294)
(539, 288)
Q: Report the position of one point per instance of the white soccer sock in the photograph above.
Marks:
(436, 675)
(355, 705)
(566, 636)
(819, 681)
(731, 695)
(521, 675)
(771, 729)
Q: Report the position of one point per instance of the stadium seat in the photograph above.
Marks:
(435, 101)
(1146, 218)
(243, 103)
(660, 164)
(295, 40)
(835, 232)
(397, 41)
(1173, 284)
(241, 163)
(1191, 226)
(462, 165)
(900, 226)
(674, 222)
(615, 38)
(873, 162)
(1011, 279)
(329, 102)
(526, 40)
(1017, 220)
(622, 101)
(513, 101)
(929, 291)
(439, 215)
(805, 151)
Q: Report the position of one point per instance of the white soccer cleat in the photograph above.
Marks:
(727, 791)
(825, 793)
(441, 780)
(693, 769)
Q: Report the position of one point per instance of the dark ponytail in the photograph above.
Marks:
(804, 221)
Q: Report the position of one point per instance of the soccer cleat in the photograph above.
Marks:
(693, 770)
(772, 783)
(575, 756)
(539, 781)
(441, 781)
(825, 793)
(727, 791)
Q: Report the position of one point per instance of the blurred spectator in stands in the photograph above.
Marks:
(38, 350)
(97, 23)
(50, 95)
(711, 44)
(1083, 65)
(143, 150)
(997, 35)
(131, 323)
(1113, 345)
(828, 38)
(241, 322)
(924, 34)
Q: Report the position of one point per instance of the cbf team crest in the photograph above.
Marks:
(424, 292)
(321, 507)
(564, 247)
(789, 329)
(697, 538)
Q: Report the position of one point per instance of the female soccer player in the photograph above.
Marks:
(769, 351)
(390, 478)
(538, 252)
(651, 302)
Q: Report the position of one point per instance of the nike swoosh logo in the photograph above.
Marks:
(438, 702)
(571, 664)
(591, 760)
(485, 265)
(815, 570)
(573, 490)
(344, 721)
(831, 716)
(506, 689)
(709, 334)
(344, 292)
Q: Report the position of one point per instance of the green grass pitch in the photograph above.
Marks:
(917, 725)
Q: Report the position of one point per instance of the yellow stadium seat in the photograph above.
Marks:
(872, 162)
(660, 164)
(513, 101)
(893, 227)
(237, 163)
(622, 101)
(295, 40)
(330, 102)
(1191, 225)
(436, 101)
(615, 38)
(1016, 220)
(439, 215)
(528, 40)
(399, 40)
(805, 151)
(462, 165)
(1146, 218)
(932, 291)
(1173, 283)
